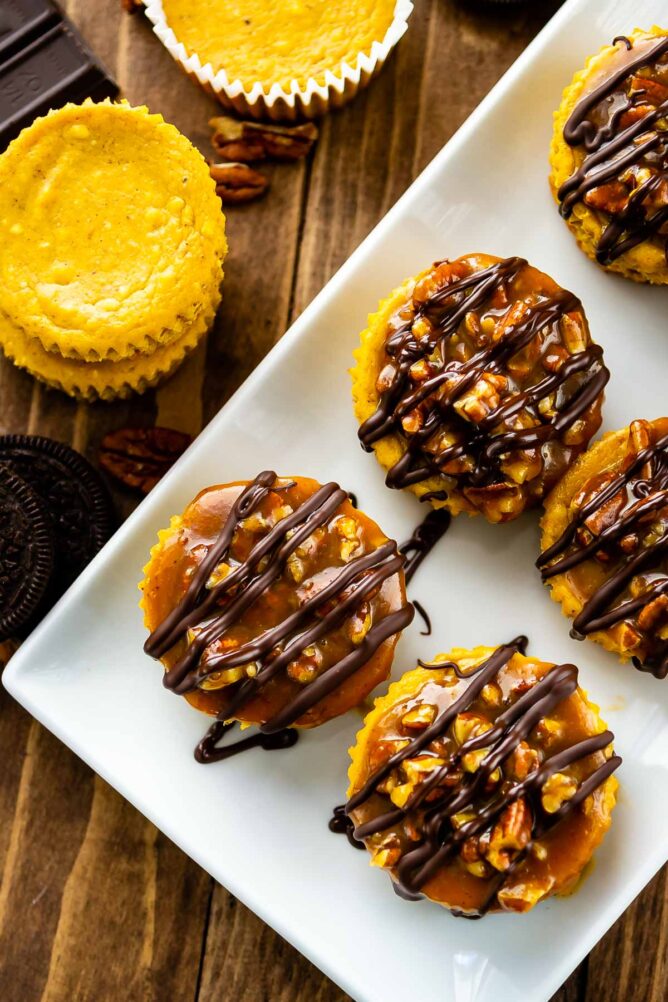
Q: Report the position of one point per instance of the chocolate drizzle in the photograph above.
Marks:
(341, 824)
(645, 482)
(209, 750)
(450, 380)
(440, 839)
(424, 539)
(217, 608)
(419, 608)
(612, 148)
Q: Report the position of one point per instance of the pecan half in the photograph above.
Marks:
(246, 142)
(236, 182)
(7, 648)
(139, 457)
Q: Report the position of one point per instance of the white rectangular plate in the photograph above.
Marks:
(258, 823)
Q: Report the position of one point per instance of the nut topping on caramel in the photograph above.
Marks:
(482, 804)
(490, 384)
(259, 616)
(620, 128)
(613, 550)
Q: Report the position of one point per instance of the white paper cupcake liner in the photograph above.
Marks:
(281, 104)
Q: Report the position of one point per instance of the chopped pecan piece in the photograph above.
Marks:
(654, 614)
(139, 457)
(523, 896)
(608, 197)
(132, 6)
(557, 789)
(523, 761)
(510, 834)
(655, 93)
(246, 142)
(419, 717)
(237, 182)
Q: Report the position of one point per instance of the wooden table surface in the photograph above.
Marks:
(96, 904)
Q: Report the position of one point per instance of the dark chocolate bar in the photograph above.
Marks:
(44, 63)
(22, 21)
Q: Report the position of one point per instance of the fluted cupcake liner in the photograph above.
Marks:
(278, 103)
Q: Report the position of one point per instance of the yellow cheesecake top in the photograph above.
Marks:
(111, 234)
(276, 43)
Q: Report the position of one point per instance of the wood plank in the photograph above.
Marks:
(99, 895)
(630, 964)
(99, 898)
(246, 961)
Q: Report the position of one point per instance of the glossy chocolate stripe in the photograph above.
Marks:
(315, 512)
(169, 631)
(585, 622)
(610, 534)
(324, 625)
(479, 678)
(440, 840)
(588, 509)
(424, 538)
(578, 129)
(479, 440)
(209, 750)
(610, 153)
(275, 648)
(599, 611)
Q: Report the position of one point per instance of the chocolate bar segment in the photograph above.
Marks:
(44, 64)
(22, 21)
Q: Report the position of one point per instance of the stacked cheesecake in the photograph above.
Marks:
(112, 242)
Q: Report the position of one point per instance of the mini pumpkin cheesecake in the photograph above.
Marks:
(274, 602)
(605, 544)
(609, 156)
(483, 780)
(111, 249)
(477, 384)
(268, 43)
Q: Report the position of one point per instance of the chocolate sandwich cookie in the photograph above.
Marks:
(26, 552)
(76, 502)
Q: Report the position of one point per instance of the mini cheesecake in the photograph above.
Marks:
(609, 156)
(483, 780)
(274, 602)
(477, 384)
(605, 544)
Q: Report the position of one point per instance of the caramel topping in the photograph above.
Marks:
(621, 519)
(481, 790)
(255, 560)
(490, 382)
(622, 126)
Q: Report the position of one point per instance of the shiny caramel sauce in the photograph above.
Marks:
(620, 125)
(613, 553)
(483, 785)
(275, 602)
(489, 377)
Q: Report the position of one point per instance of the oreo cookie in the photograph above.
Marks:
(76, 502)
(26, 553)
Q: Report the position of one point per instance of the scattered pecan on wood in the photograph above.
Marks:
(139, 457)
(236, 182)
(245, 142)
(7, 648)
(132, 6)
